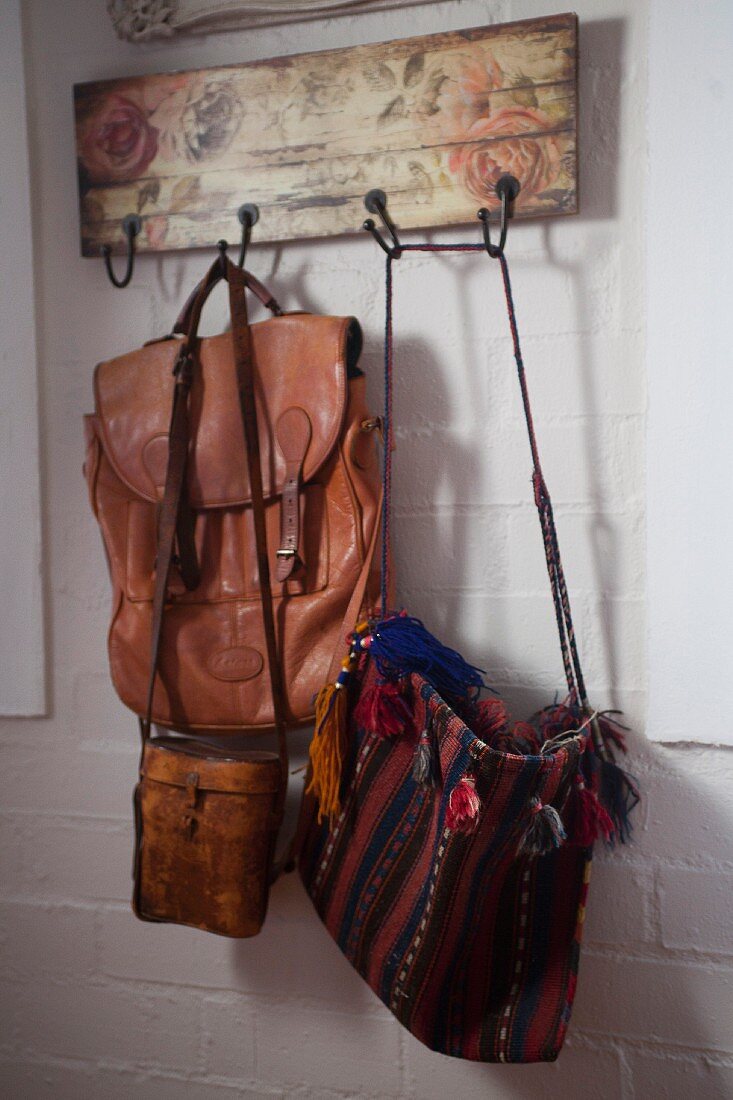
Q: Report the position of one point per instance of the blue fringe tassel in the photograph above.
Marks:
(619, 795)
(401, 645)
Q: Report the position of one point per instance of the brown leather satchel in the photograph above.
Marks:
(215, 465)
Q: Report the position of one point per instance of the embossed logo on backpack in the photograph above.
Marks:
(237, 663)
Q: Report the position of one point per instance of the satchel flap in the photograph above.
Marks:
(299, 361)
(197, 766)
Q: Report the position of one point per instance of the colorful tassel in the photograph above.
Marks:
(619, 795)
(382, 709)
(423, 769)
(612, 730)
(545, 831)
(401, 645)
(328, 747)
(591, 820)
(521, 740)
(461, 815)
(560, 718)
(489, 720)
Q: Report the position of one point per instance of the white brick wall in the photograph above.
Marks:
(99, 1005)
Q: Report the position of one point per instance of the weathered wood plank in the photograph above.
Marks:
(433, 120)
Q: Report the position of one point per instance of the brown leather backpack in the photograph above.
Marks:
(320, 487)
(236, 483)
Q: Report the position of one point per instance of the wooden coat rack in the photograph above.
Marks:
(166, 161)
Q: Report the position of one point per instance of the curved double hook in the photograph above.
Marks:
(507, 188)
(376, 203)
(131, 226)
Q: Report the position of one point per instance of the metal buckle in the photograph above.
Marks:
(285, 553)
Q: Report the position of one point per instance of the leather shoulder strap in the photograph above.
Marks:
(242, 344)
(169, 517)
(175, 507)
(351, 618)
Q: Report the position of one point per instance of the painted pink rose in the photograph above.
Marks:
(465, 97)
(480, 163)
(117, 142)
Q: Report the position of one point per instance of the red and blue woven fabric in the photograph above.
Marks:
(446, 848)
(471, 944)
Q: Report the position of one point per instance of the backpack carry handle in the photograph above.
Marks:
(214, 275)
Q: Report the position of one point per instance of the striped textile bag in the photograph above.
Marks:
(446, 848)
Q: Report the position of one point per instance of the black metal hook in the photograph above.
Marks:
(376, 203)
(507, 188)
(248, 215)
(131, 226)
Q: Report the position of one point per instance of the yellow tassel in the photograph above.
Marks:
(327, 749)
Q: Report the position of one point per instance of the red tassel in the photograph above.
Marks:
(612, 730)
(591, 819)
(490, 719)
(557, 719)
(463, 807)
(383, 710)
(524, 740)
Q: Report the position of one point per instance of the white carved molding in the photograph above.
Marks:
(143, 20)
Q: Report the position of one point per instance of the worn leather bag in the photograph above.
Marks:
(320, 479)
(235, 479)
(210, 823)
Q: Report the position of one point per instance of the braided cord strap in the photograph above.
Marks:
(561, 600)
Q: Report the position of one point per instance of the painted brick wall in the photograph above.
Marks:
(98, 1005)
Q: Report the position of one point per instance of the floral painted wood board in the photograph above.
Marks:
(434, 121)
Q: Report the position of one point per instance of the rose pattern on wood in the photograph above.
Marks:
(494, 140)
(117, 142)
(122, 134)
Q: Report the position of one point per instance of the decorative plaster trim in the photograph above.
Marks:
(143, 20)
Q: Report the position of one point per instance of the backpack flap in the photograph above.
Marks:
(300, 363)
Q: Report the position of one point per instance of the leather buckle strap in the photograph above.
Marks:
(293, 433)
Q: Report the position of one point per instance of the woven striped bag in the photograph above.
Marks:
(447, 849)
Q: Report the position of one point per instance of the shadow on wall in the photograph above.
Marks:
(641, 1019)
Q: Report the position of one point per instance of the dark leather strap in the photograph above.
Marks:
(168, 518)
(175, 508)
(188, 562)
(351, 620)
(242, 344)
